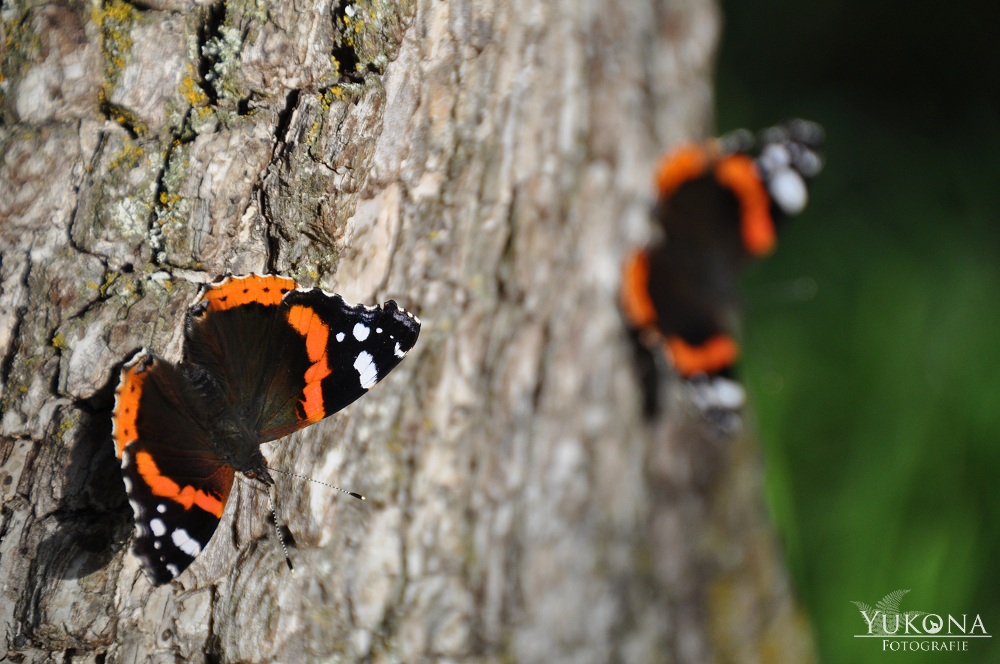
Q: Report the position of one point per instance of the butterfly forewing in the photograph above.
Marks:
(289, 357)
(349, 349)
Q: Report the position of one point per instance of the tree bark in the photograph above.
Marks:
(486, 165)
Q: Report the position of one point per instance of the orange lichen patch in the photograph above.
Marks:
(307, 322)
(123, 419)
(715, 354)
(635, 299)
(685, 163)
(738, 173)
(189, 496)
(236, 291)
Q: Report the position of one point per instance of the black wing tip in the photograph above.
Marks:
(158, 577)
(158, 571)
(409, 320)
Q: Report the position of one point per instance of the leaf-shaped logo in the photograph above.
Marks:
(890, 603)
(886, 618)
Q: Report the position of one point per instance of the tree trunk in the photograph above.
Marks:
(486, 165)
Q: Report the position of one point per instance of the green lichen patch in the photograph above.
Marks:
(114, 19)
(223, 53)
(369, 33)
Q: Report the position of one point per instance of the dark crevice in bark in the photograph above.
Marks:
(184, 135)
(123, 117)
(345, 55)
(243, 106)
(7, 363)
(209, 30)
(505, 267)
(272, 228)
(271, 239)
(74, 216)
(543, 361)
(285, 118)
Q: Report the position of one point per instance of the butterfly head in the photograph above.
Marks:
(259, 473)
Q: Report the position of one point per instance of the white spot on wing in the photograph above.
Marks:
(185, 542)
(128, 484)
(789, 191)
(158, 527)
(719, 393)
(399, 351)
(368, 372)
(157, 544)
(361, 331)
(173, 570)
(774, 157)
(340, 336)
(161, 508)
(728, 393)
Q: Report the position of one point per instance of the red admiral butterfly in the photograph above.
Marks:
(719, 207)
(262, 358)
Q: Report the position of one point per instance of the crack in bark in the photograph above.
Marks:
(345, 55)
(7, 364)
(285, 121)
(210, 29)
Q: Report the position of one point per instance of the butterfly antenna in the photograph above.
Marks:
(277, 526)
(304, 477)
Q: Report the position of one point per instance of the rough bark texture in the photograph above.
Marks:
(485, 164)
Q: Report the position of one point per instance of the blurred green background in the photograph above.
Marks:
(872, 336)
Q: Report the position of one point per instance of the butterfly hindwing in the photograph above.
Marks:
(176, 484)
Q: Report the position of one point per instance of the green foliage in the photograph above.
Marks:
(876, 390)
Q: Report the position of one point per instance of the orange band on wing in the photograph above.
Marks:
(635, 298)
(127, 407)
(189, 496)
(307, 322)
(253, 289)
(714, 355)
(738, 173)
(685, 163)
